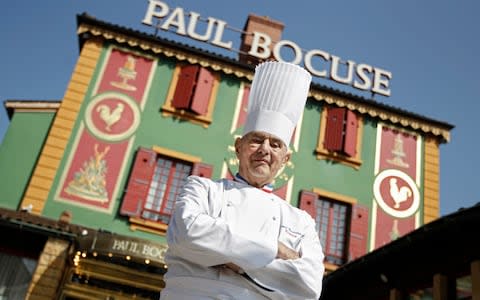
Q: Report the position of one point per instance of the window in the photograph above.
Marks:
(340, 136)
(192, 94)
(154, 184)
(111, 278)
(330, 220)
(341, 223)
(168, 177)
(15, 275)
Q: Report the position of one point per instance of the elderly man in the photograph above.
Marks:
(234, 239)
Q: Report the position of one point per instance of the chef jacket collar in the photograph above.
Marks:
(266, 188)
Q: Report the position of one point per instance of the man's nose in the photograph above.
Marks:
(264, 146)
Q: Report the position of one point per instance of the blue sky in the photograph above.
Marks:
(430, 47)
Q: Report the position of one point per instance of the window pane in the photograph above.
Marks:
(331, 220)
(15, 275)
(464, 287)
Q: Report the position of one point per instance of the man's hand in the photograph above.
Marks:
(286, 253)
(283, 253)
(234, 267)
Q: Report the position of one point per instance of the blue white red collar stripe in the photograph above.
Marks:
(266, 188)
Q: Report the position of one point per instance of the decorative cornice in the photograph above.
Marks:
(30, 106)
(382, 114)
(363, 107)
(160, 49)
(19, 104)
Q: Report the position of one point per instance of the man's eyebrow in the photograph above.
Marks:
(259, 135)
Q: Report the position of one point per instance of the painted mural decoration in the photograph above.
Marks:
(90, 181)
(396, 185)
(107, 131)
(126, 73)
(285, 176)
(112, 116)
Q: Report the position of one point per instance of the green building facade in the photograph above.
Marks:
(95, 174)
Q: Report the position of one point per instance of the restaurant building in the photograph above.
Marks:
(89, 181)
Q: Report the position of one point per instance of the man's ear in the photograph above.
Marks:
(237, 145)
(287, 157)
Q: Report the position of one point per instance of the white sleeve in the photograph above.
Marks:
(300, 278)
(205, 239)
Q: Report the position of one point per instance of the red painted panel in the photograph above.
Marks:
(202, 93)
(334, 129)
(351, 131)
(308, 203)
(139, 182)
(126, 73)
(391, 228)
(185, 87)
(398, 150)
(93, 171)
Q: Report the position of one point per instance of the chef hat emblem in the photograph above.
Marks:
(277, 98)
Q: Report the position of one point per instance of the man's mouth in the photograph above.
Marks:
(262, 161)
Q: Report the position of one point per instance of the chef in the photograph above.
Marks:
(235, 239)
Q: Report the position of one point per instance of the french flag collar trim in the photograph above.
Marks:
(266, 188)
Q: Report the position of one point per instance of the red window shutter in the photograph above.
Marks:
(358, 232)
(308, 202)
(334, 129)
(185, 86)
(351, 130)
(202, 170)
(202, 93)
(139, 182)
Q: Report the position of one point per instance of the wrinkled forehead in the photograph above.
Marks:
(263, 136)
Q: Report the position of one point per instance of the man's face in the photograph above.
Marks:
(261, 156)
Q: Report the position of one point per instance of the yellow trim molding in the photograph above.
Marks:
(431, 181)
(148, 226)
(176, 154)
(42, 177)
(335, 196)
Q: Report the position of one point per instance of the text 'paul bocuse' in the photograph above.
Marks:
(318, 62)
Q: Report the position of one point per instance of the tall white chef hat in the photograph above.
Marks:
(277, 98)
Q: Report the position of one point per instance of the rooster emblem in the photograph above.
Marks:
(399, 195)
(110, 117)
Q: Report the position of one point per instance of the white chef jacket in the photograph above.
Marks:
(217, 222)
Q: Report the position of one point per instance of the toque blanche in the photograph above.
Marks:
(277, 98)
